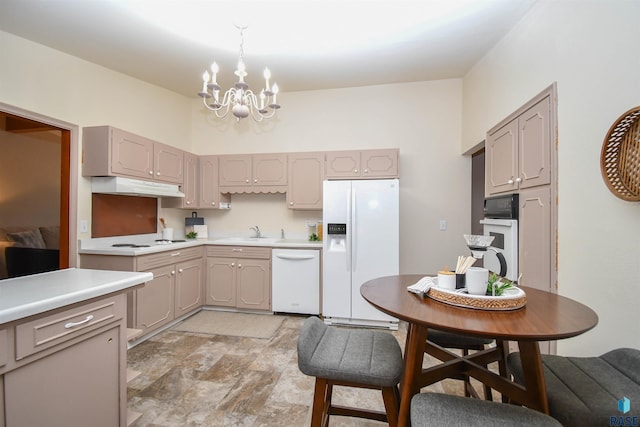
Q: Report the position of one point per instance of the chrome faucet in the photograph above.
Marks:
(256, 229)
(282, 233)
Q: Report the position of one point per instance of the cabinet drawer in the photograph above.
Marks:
(3, 347)
(45, 332)
(147, 262)
(239, 252)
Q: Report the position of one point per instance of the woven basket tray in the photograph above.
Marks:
(620, 157)
(510, 300)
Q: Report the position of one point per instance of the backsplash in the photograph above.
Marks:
(117, 215)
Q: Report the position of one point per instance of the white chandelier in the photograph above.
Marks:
(239, 99)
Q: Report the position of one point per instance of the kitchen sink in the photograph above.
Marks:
(265, 240)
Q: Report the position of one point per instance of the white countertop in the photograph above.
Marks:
(102, 249)
(25, 296)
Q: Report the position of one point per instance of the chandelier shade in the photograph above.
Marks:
(240, 100)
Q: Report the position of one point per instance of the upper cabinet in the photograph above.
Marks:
(210, 196)
(306, 173)
(108, 151)
(518, 153)
(257, 173)
(365, 164)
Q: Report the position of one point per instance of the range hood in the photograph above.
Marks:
(133, 187)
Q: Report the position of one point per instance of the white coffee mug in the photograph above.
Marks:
(447, 281)
(477, 279)
(167, 233)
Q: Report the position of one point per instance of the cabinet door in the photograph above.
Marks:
(306, 172)
(501, 159)
(254, 284)
(235, 170)
(535, 239)
(155, 301)
(188, 286)
(169, 164)
(269, 169)
(535, 145)
(191, 178)
(77, 386)
(343, 164)
(379, 163)
(210, 196)
(221, 281)
(131, 155)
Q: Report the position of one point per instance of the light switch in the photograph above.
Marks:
(443, 224)
(84, 226)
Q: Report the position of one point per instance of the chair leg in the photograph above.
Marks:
(319, 413)
(391, 404)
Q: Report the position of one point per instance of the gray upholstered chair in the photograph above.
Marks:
(354, 358)
(584, 391)
(465, 343)
(436, 410)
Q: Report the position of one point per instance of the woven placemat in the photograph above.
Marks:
(507, 302)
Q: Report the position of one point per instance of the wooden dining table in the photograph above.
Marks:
(545, 317)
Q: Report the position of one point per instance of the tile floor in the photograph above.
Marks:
(190, 379)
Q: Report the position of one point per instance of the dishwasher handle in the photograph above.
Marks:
(295, 257)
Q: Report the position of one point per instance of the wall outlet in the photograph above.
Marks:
(84, 226)
(443, 224)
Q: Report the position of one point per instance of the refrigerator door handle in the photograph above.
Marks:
(348, 234)
(354, 234)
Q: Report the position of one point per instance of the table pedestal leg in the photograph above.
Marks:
(533, 375)
(413, 356)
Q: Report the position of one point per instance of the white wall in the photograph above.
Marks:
(589, 48)
(421, 119)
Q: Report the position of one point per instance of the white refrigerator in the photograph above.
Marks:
(361, 242)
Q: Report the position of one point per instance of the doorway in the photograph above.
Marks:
(25, 126)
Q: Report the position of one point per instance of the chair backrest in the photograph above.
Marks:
(312, 331)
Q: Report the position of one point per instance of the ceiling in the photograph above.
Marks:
(307, 44)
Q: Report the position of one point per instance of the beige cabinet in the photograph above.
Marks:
(518, 153)
(210, 196)
(239, 277)
(306, 173)
(535, 238)
(366, 164)
(253, 173)
(68, 368)
(176, 289)
(108, 151)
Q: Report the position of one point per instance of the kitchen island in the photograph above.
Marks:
(63, 343)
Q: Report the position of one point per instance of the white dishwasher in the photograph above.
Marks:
(295, 281)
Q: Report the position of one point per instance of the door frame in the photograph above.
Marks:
(68, 180)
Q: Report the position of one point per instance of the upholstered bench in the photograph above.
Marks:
(584, 391)
(353, 358)
(434, 409)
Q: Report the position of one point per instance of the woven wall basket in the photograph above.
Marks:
(620, 157)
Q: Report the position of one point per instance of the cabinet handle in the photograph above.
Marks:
(247, 181)
(255, 180)
(213, 203)
(173, 272)
(518, 179)
(179, 270)
(237, 249)
(290, 203)
(188, 202)
(233, 264)
(510, 182)
(150, 172)
(70, 325)
(239, 265)
(175, 254)
(157, 173)
(355, 170)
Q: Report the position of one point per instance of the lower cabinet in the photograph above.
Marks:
(239, 277)
(67, 367)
